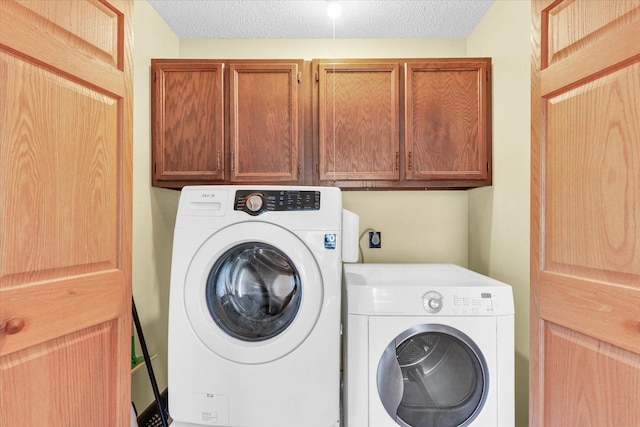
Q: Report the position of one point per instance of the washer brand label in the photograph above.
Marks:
(330, 241)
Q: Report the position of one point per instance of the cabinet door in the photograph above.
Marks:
(446, 120)
(188, 122)
(358, 121)
(265, 112)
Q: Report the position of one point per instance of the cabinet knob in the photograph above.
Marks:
(12, 326)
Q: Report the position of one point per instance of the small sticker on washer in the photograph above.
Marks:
(330, 241)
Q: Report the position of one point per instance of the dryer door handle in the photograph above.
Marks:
(390, 383)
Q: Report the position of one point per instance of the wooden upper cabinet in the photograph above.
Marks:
(187, 113)
(447, 119)
(376, 123)
(221, 121)
(358, 121)
(264, 125)
(379, 127)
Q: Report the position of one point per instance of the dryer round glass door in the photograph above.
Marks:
(432, 375)
(253, 292)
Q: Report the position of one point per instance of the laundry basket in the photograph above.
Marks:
(150, 417)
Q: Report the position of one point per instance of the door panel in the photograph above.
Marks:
(585, 218)
(37, 374)
(187, 101)
(76, 177)
(587, 364)
(65, 212)
(592, 174)
(358, 121)
(447, 109)
(265, 122)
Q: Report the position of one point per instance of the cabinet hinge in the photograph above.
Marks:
(300, 168)
(397, 159)
(155, 76)
(233, 166)
(219, 155)
(410, 155)
(155, 167)
(317, 169)
(299, 76)
(316, 76)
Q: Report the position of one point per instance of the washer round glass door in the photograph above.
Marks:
(432, 375)
(253, 292)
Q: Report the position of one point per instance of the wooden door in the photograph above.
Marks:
(187, 116)
(358, 121)
(585, 214)
(265, 121)
(65, 212)
(448, 112)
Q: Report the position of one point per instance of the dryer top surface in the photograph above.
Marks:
(416, 275)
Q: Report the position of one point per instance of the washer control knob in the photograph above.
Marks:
(432, 302)
(254, 203)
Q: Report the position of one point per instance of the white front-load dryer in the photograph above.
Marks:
(254, 310)
(427, 345)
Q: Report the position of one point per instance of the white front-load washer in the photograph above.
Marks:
(427, 345)
(254, 309)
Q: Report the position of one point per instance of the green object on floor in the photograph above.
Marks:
(135, 360)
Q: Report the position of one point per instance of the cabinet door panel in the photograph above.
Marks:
(188, 116)
(358, 121)
(265, 113)
(446, 120)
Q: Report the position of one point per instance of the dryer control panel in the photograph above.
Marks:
(468, 302)
(255, 202)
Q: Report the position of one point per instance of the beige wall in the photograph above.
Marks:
(153, 208)
(499, 215)
(482, 229)
(321, 48)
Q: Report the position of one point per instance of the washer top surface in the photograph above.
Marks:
(424, 289)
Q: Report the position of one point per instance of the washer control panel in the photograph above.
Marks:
(255, 202)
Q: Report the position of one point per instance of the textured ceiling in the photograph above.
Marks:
(377, 19)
